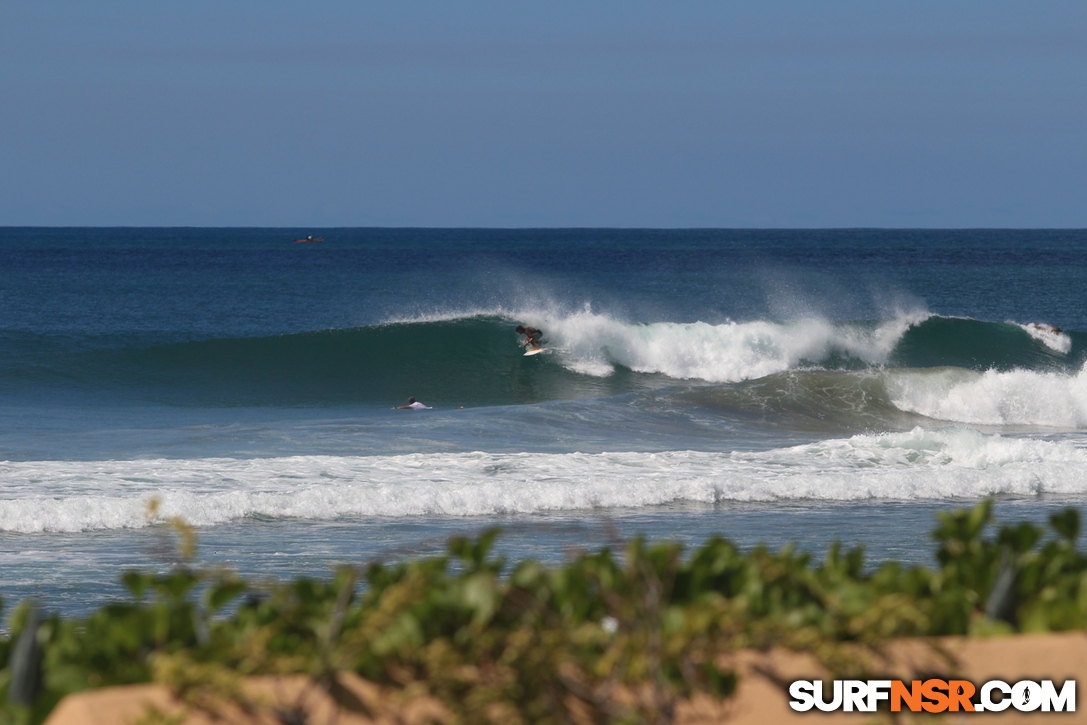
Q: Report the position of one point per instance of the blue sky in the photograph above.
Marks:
(544, 114)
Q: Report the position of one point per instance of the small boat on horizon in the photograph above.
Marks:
(309, 239)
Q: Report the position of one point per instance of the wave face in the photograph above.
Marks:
(476, 360)
(976, 345)
(815, 401)
(823, 401)
(912, 465)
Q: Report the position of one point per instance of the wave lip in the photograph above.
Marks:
(917, 464)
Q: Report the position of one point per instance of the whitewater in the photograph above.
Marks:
(596, 344)
(943, 464)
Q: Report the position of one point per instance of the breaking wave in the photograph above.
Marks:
(948, 463)
(476, 360)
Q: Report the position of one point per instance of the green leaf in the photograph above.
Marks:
(137, 582)
(1066, 523)
(1020, 538)
(223, 592)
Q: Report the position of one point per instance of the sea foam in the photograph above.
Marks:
(1014, 397)
(918, 464)
(1048, 336)
(594, 344)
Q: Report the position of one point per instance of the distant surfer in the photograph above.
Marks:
(1047, 328)
(413, 404)
(532, 336)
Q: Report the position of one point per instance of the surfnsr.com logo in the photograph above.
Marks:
(934, 696)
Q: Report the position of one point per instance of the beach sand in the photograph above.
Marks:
(761, 697)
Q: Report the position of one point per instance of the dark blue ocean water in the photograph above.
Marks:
(769, 385)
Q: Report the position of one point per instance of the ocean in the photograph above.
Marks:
(768, 386)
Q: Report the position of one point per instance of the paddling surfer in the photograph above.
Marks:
(413, 404)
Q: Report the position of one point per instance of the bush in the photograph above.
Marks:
(619, 636)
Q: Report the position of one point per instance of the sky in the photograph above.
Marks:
(521, 113)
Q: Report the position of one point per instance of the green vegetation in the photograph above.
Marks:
(619, 637)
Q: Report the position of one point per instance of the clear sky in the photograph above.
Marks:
(530, 113)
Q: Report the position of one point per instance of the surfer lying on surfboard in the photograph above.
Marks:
(413, 404)
(532, 336)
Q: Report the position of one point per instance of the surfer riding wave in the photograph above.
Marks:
(532, 336)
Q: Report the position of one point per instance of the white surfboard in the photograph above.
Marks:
(534, 351)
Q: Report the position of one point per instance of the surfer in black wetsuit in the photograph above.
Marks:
(532, 336)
